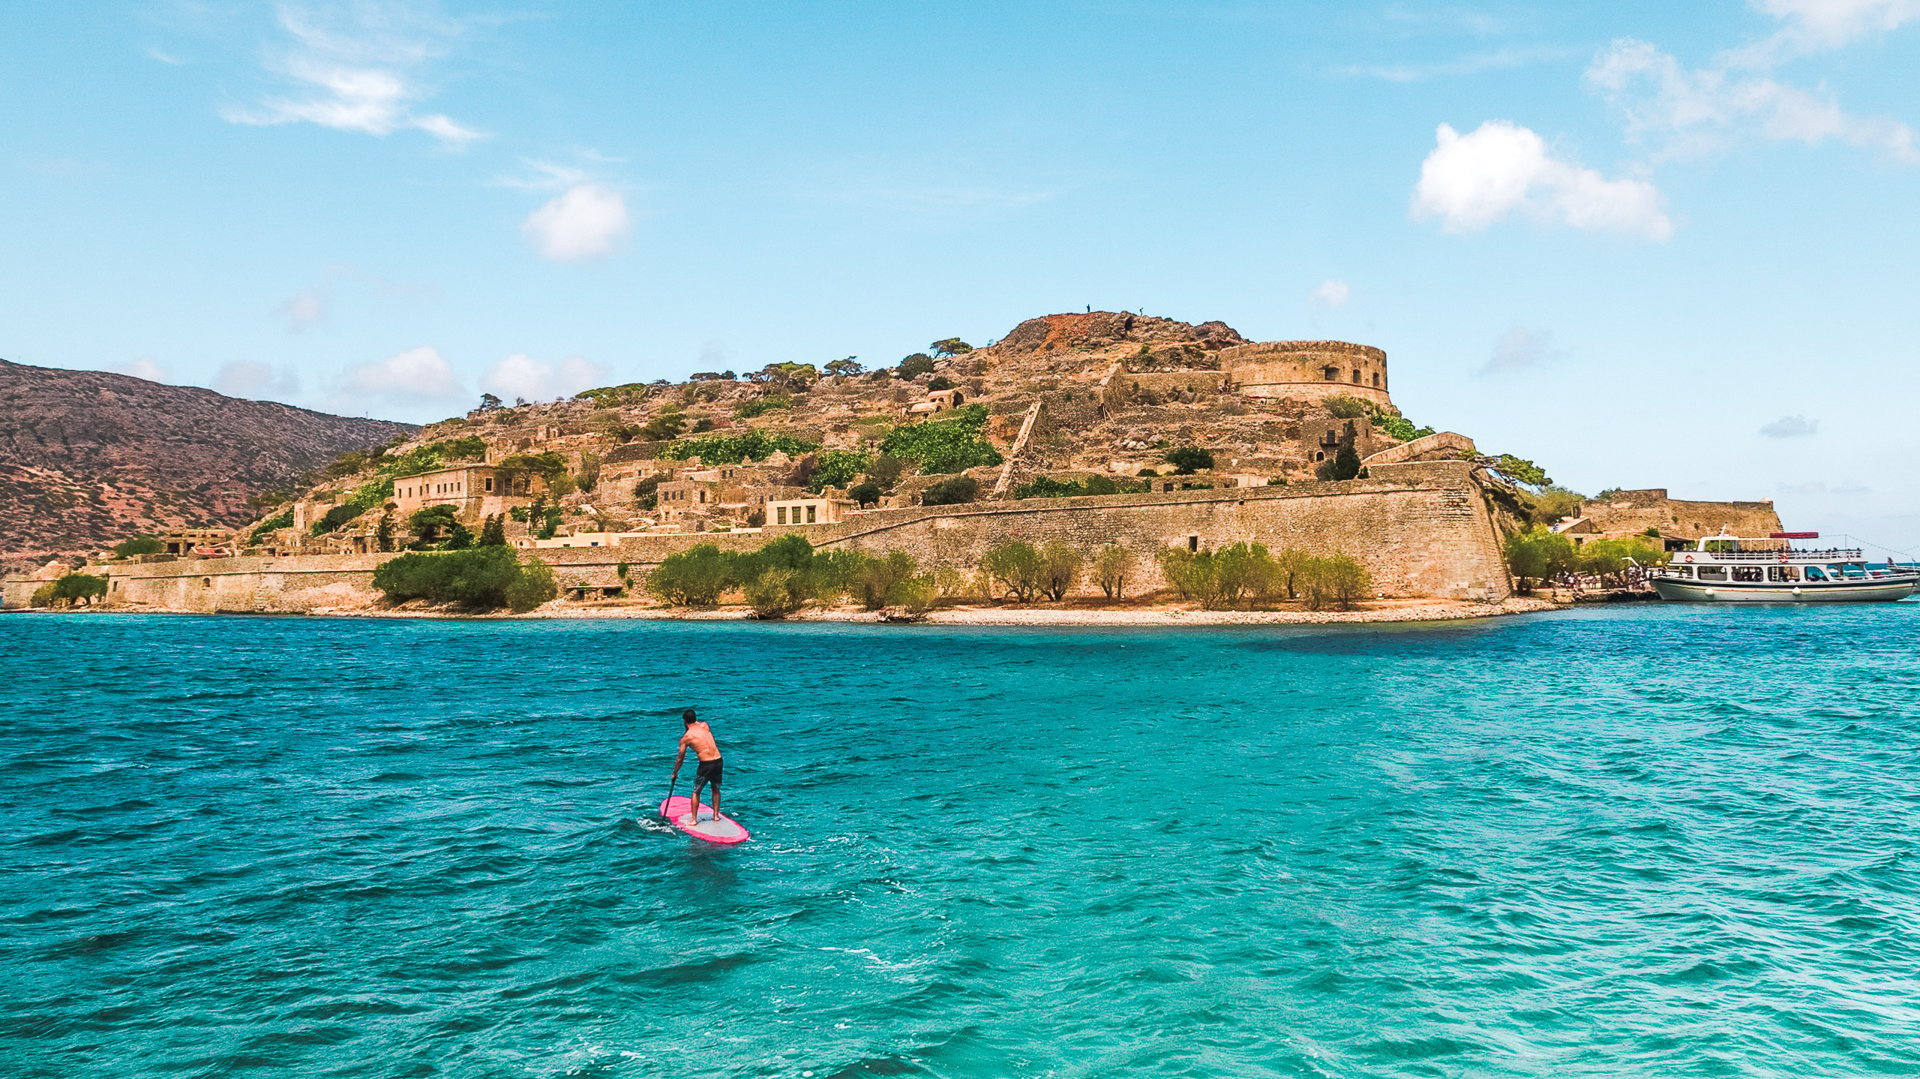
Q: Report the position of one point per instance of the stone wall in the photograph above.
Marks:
(1421, 529)
(1300, 370)
(1629, 512)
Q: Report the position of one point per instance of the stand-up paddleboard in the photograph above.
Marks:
(721, 829)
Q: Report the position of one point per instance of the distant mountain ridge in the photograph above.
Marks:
(88, 458)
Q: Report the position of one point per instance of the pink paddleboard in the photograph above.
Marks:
(721, 829)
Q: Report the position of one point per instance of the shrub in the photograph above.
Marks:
(760, 406)
(336, 517)
(477, 578)
(1186, 460)
(1111, 566)
(1018, 567)
(879, 581)
(914, 366)
(662, 427)
(775, 593)
(1400, 427)
(533, 586)
(1348, 407)
(885, 471)
(42, 596)
(865, 494)
(493, 532)
(283, 519)
(695, 577)
(1335, 581)
(951, 492)
(148, 545)
(954, 444)
(939, 382)
(837, 468)
(1048, 487)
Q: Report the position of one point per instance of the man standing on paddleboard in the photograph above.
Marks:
(699, 738)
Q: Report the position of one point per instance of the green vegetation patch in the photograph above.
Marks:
(483, 578)
(953, 444)
(1048, 487)
(752, 444)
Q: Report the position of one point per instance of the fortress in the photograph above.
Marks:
(1307, 370)
(606, 485)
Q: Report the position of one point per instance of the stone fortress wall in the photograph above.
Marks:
(1307, 370)
(1422, 529)
(1625, 512)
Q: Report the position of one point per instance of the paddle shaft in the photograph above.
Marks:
(670, 785)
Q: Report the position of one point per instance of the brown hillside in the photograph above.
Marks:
(89, 458)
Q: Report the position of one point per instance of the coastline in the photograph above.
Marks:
(1378, 612)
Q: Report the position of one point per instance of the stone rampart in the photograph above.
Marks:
(1636, 511)
(1421, 529)
(1307, 370)
(1439, 446)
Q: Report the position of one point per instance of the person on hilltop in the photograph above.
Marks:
(699, 738)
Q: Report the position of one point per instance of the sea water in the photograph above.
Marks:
(1659, 841)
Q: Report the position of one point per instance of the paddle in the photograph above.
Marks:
(670, 785)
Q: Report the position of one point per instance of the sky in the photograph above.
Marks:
(1645, 244)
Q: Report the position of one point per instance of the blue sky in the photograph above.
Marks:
(1649, 245)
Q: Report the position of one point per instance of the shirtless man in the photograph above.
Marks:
(699, 738)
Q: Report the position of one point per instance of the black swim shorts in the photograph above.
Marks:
(709, 771)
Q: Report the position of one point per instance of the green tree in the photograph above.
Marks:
(775, 592)
(75, 589)
(1336, 581)
(877, 581)
(1059, 570)
(665, 426)
(139, 545)
(459, 537)
(844, 368)
(383, 533)
(533, 586)
(950, 346)
(1018, 567)
(885, 471)
(478, 578)
(1344, 466)
(865, 494)
(1520, 470)
(1537, 555)
(1186, 460)
(695, 577)
(1111, 567)
(1551, 503)
(951, 492)
(493, 532)
(914, 366)
(431, 525)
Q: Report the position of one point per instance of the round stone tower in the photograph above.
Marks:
(1307, 370)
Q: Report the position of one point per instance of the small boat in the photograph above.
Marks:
(1736, 569)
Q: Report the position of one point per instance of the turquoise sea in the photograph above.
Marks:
(1658, 841)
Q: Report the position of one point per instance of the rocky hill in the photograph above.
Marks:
(1093, 401)
(89, 458)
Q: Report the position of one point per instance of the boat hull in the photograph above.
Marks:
(1880, 591)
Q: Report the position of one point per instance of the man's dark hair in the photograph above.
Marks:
(688, 716)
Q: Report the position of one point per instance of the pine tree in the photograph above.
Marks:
(493, 533)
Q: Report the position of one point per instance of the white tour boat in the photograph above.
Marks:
(1733, 569)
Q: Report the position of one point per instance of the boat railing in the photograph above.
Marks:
(1832, 554)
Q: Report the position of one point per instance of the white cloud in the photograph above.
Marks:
(1520, 349)
(1700, 111)
(522, 376)
(1330, 294)
(145, 367)
(587, 221)
(247, 378)
(304, 309)
(418, 375)
(358, 67)
(1791, 427)
(1819, 25)
(1501, 169)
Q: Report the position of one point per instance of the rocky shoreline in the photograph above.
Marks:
(1379, 611)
